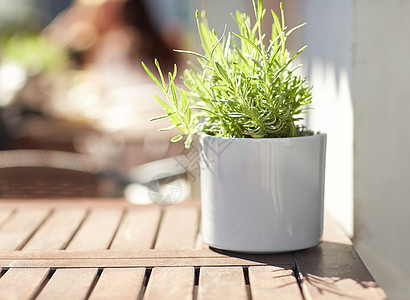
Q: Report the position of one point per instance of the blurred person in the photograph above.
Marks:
(105, 34)
(108, 88)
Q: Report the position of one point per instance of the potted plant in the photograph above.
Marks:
(262, 174)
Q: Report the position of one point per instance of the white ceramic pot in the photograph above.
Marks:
(262, 195)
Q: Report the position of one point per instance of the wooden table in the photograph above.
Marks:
(110, 249)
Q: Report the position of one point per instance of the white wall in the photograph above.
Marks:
(328, 61)
(382, 141)
(358, 61)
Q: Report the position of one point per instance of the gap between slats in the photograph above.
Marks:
(147, 276)
(161, 216)
(300, 279)
(21, 246)
(124, 212)
(3, 271)
(94, 283)
(65, 245)
(43, 283)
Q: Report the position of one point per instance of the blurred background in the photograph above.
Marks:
(71, 83)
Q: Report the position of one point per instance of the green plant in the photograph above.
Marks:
(242, 87)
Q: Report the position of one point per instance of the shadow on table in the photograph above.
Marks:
(327, 270)
(276, 259)
(336, 269)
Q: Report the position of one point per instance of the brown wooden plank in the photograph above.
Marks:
(171, 283)
(57, 231)
(68, 284)
(333, 269)
(138, 258)
(273, 282)
(21, 283)
(286, 258)
(138, 229)
(4, 214)
(19, 228)
(221, 283)
(134, 262)
(119, 284)
(178, 229)
(98, 229)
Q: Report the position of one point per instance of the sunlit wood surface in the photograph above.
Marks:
(110, 249)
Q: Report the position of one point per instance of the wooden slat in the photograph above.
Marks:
(133, 262)
(121, 284)
(179, 228)
(171, 283)
(68, 284)
(138, 229)
(19, 228)
(4, 214)
(57, 231)
(284, 258)
(333, 269)
(140, 258)
(97, 231)
(221, 283)
(21, 283)
(273, 282)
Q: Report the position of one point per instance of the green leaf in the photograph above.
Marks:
(167, 108)
(255, 8)
(192, 53)
(152, 76)
(258, 7)
(218, 42)
(168, 128)
(274, 42)
(188, 141)
(184, 100)
(235, 115)
(256, 62)
(252, 44)
(160, 72)
(174, 99)
(244, 60)
(222, 88)
(282, 15)
(177, 138)
(223, 73)
(158, 118)
(294, 28)
(276, 21)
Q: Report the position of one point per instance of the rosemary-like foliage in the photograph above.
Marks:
(242, 88)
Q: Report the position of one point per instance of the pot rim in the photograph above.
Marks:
(315, 135)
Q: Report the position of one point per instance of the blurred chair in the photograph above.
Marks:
(56, 174)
